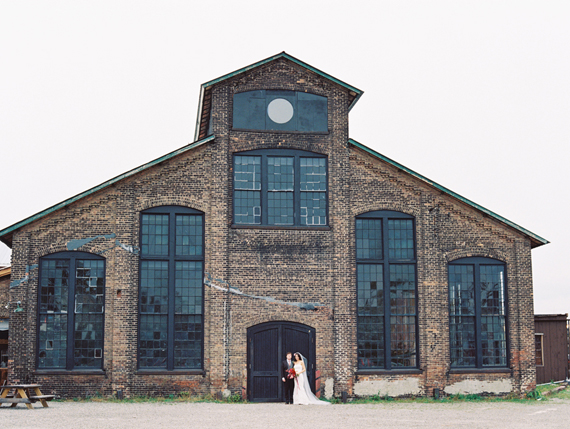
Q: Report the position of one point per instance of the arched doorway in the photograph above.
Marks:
(267, 344)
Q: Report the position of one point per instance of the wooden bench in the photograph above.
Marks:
(23, 394)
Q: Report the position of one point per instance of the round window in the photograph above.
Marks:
(280, 111)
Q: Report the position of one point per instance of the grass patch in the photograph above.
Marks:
(543, 392)
(178, 398)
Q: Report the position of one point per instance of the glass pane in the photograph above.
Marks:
(153, 351)
(403, 341)
(89, 286)
(313, 174)
(401, 238)
(52, 346)
(538, 350)
(54, 286)
(493, 327)
(313, 208)
(187, 341)
(154, 237)
(403, 311)
(188, 299)
(280, 208)
(247, 207)
(463, 346)
(402, 289)
(189, 235)
(368, 238)
(461, 290)
(247, 173)
(154, 287)
(370, 293)
(88, 341)
(280, 176)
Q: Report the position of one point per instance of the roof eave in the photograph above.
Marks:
(6, 233)
(535, 240)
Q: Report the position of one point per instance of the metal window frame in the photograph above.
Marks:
(541, 335)
(477, 262)
(171, 258)
(72, 257)
(386, 261)
(297, 154)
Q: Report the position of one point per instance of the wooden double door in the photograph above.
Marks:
(267, 345)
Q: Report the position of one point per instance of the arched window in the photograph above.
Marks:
(71, 303)
(386, 290)
(280, 187)
(171, 288)
(477, 313)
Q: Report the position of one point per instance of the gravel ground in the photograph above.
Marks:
(554, 413)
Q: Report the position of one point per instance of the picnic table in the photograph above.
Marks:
(23, 394)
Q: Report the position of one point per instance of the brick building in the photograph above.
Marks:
(273, 231)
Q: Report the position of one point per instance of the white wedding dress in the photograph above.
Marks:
(302, 394)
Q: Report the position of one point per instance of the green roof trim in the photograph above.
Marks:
(357, 91)
(535, 239)
(103, 185)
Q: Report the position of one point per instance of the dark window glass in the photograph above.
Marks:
(371, 350)
(71, 340)
(313, 191)
(477, 311)
(403, 315)
(387, 317)
(247, 189)
(538, 350)
(299, 111)
(280, 187)
(171, 293)
(154, 238)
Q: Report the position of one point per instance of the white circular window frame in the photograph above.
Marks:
(280, 111)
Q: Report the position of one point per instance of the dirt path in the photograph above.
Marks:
(551, 414)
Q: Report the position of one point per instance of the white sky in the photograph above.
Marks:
(472, 94)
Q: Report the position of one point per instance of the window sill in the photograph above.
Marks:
(72, 372)
(388, 371)
(322, 133)
(281, 227)
(480, 371)
(174, 372)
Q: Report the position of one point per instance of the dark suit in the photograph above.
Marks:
(289, 382)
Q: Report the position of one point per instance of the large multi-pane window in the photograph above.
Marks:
(477, 313)
(386, 290)
(71, 311)
(280, 187)
(171, 288)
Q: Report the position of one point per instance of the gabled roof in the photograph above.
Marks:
(202, 122)
(534, 239)
(6, 234)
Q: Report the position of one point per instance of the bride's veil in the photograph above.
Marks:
(311, 397)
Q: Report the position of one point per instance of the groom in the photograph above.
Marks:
(288, 382)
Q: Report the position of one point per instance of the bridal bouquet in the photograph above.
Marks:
(291, 373)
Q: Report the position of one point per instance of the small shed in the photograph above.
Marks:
(551, 345)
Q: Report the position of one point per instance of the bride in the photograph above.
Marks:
(302, 394)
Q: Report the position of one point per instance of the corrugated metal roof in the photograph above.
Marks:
(535, 239)
(203, 107)
(6, 234)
